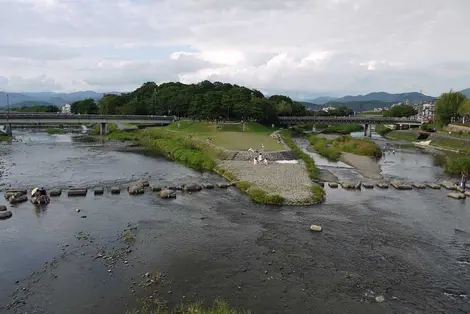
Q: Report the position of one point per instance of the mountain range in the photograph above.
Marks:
(376, 96)
(47, 98)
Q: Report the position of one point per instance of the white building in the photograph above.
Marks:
(66, 108)
(328, 109)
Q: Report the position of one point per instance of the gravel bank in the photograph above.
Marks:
(291, 181)
(366, 166)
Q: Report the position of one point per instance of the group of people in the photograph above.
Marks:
(39, 196)
(260, 159)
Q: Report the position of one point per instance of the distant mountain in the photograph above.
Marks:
(312, 106)
(466, 92)
(386, 97)
(57, 99)
(323, 100)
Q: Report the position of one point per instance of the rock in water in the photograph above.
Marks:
(315, 228)
(5, 214)
(419, 186)
(434, 186)
(167, 193)
(156, 189)
(99, 190)
(3, 208)
(333, 185)
(458, 196)
(19, 199)
(136, 189)
(115, 190)
(449, 185)
(382, 185)
(193, 187)
(55, 192)
(223, 185)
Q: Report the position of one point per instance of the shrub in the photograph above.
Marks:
(243, 185)
(260, 197)
(343, 128)
(318, 193)
(322, 146)
(456, 165)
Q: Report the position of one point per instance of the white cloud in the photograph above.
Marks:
(293, 46)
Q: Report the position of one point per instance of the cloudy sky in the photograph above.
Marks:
(299, 47)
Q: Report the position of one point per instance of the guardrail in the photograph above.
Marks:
(362, 119)
(52, 116)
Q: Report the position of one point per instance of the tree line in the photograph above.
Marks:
(451, 105)
(205, 101)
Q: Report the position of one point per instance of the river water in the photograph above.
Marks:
(410, 247)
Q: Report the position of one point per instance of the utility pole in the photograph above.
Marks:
(8, 108)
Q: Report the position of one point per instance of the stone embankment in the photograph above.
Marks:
(291, 181)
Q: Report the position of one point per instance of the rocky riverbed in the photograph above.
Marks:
(291, 181)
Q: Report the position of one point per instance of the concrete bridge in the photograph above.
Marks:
(364, 120)
(103, 120)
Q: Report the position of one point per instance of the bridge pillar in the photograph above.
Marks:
(368, 130)
(8, 129)
(103, 128)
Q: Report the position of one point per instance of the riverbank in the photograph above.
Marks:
(272, 184)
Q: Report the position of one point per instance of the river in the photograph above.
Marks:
(410, 247)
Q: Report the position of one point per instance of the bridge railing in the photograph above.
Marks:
(346, 118)
(59, 116)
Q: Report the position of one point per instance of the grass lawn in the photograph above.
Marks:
(230, 135)
(409, 136)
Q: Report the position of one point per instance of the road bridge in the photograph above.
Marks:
(103, 120)
(367, 121)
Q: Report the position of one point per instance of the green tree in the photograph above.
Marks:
(464, 109)
(447, 107)
(400, 111)
(87, 106)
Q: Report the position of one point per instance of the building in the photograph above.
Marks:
(66, 108)
(328, 109)
(426, 112)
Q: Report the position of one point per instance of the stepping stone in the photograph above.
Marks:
(55, 192)
(5, 214)
(99, 190)
(3, 208)
(467, 193)
(368, 185)
(434, 186)
(419, 186)
(77, 192)
(456, 195)
(208, 186)
(223, 185)
(449, 185)
(156, 188)
(115, 190)
(382, 185)
(400, 185)
(333, 185)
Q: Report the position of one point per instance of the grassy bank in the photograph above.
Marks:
(402, 135)
(332, 149)
(456, 165)
(342, 129)
(155, 307)
(189, 150)
(55, 131)
(4, 137)
(231, 136)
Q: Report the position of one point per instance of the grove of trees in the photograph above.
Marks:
(400, 111)
(205, 100)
